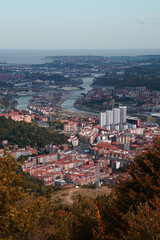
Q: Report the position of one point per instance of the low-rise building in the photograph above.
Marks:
(74, 140)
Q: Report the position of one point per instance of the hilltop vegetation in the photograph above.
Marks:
(148, 75)
(131, 212)
(57, 79)
(8, 103)
(4, 84)
(23, 134)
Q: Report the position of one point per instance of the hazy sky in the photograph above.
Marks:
(79, 24)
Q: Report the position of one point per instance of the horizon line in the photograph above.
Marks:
(79, 49)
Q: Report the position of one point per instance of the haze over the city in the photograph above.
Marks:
(79, 24)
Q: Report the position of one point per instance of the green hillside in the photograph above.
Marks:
(23, 134)
(148, 76)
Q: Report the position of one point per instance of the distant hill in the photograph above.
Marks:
(147, 75)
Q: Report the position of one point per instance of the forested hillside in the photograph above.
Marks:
(23, 134)
(133, 77)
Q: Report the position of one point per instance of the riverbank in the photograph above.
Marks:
(58, 106)
(84, 108)
(62, 110)
(66, 103)
(85, 87)
(23, 102)
(64, 98)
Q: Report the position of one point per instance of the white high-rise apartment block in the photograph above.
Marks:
(109, 117)
(102, 119)
(116, 115)
(123, 113)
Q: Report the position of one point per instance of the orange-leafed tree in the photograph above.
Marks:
(128, 204)
(98, 229)
(10, 194)
(144, 183)
(145, 223)
(87, 223)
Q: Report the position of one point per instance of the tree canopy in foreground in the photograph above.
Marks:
(131, 213)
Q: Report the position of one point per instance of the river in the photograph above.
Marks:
(68, 103)
(23, 102)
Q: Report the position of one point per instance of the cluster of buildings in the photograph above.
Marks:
(8, 76)
(23, 115)
(42, 110)
(99, 94)
(45, 98)
(137, 99)
(114, 119)
(111, 143)
(19, 116)
(70, 167)
(110, 151)
(107, 150)
(17, 152)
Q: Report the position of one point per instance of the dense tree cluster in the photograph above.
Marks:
(42, 76)
(23, 134)
(8, 103)
(34, 186)
(133, 77)
(57, 79)
(131, 212)
(57, 125)
(4, 84)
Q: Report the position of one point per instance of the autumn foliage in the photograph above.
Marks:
(144, 184)
(131, 213)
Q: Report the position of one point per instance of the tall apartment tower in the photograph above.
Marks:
(102, 119)
(116, 115)
(109, 117)
(123, 113)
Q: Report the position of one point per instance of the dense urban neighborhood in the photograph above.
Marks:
(81, 122)
(97, 147)
(93, 152)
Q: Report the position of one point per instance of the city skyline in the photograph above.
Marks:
(75, 24)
